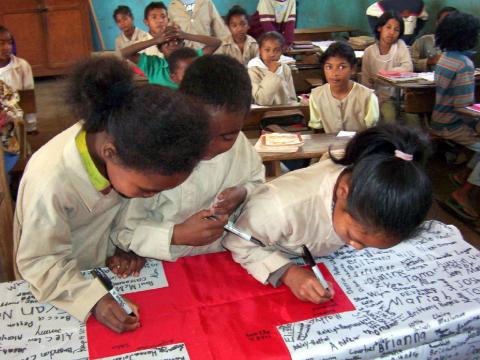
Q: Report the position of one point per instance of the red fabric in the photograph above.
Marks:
(215, 308)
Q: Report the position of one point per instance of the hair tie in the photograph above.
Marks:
(404, 156)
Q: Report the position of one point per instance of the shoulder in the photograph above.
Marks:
(359, 88)
(401, 45)
(319, 90)
(20, 62)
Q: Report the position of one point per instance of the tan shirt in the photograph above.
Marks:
(62, 225)
(122, 41)
(357, 111)
(270, 88)
(230, 48)
(17, 74)
(293, 210)
(204, 20)
(397, 59)
(146, 225)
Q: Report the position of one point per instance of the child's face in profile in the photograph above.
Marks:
(270, 51)
(338, 71)
(124, 23)
(238, 26)
(156, 21)
(225, 127)
(389, 32)
(179, 73)
(6, 46)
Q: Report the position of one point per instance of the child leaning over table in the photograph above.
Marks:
(375, 195)
(174, 223)
(341, 103)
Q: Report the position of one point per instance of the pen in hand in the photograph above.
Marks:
(230, 227)
(107, 283)
(308, 258)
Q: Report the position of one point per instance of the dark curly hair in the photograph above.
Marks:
(339, 49)
(271, 35)
(382, 20)
(154, 5)
(235, 10)
(178, 55)
(387, 193)
(457, 32)
(153, 128)
(219, 81)
(124, 10)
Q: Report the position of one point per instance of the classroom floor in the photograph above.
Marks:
(54, 116)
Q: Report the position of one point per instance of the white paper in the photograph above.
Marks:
(323, 45)
(343, 133)
(359, 54)
(429, 76)
(170, 352)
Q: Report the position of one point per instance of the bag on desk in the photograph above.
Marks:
(290, 120)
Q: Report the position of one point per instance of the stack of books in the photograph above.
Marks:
(396, 76)
(474, 107)
(279, 142)
(361, 42)
(299, 45)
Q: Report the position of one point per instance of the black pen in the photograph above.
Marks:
(236, 231)
(308, 258)
(107, 283)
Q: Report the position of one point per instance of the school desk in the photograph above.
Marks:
(417, 300)
(322, 33)
(255, 116)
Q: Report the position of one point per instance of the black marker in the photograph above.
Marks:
(308, 258)
(107, 283)
(236, 231)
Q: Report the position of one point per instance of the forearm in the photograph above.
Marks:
(211, 43)
(129, 52)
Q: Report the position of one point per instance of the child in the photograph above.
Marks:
(389, 53)
(341, 104)
(376, 195)
(156, 68)
(179, 61)
(16, 73)
(455, 88)
(129, 33)
(74, 186)
(272, 82)
(156, 19)
(412, 12)
(173, 223)
(274, 15)
(238, 44)
(425, 54)
(197, 17)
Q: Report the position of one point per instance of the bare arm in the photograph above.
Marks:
(211, 43)
(132, 52)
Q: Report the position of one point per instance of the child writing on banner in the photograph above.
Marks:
(16, 73)
(179, 61)
(238, 44)
(173, 223)
(456, 35)
(74, 186)
(341, 103)
(130, 34)
(375, 195)
(156, 68)
(389, 53)
(197, 17)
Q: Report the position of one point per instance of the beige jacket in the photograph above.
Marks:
(357, 111)
(205, 20)
(422, 50)
(230, 48)
(17, 74)
(293, 210)
(270, 88)
(146, 225)
(62, 225)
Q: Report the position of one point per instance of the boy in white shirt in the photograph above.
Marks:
(130, 34)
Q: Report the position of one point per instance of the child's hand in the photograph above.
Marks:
(197, 230)
(305, 285)
(124, 264)
(109, 313)
(273, 66)
(228, 200)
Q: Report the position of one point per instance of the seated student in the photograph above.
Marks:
(274, 15)
(389, 53)
(156, 20)
(376, 195)
(129, 33)
(74, 186)
(425, 54)
(412, 12)
(238, 44)
(198, 18)
(272, 82)
(173, 223)
(16, 73)
(179, 61)
(9, 111)
(455, 88)
(156, 68)
(341, 104)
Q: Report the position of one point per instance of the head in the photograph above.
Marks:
(389, 28)
(381, 199)
(143, 149)
(170, 46)
(222, 85)
(179, 61)
(270, 46)
(444, 12)
(124, 18)
(156, 17)
(6, 44)
(457, 32)
(338, 64)
(237, 22)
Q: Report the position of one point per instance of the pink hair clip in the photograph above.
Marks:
(404, 156)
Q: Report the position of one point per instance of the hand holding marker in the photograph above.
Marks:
(100, 275)
(230, 227)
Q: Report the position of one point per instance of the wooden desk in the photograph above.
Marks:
(252, 122)
(322, 33)
(417, 300)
